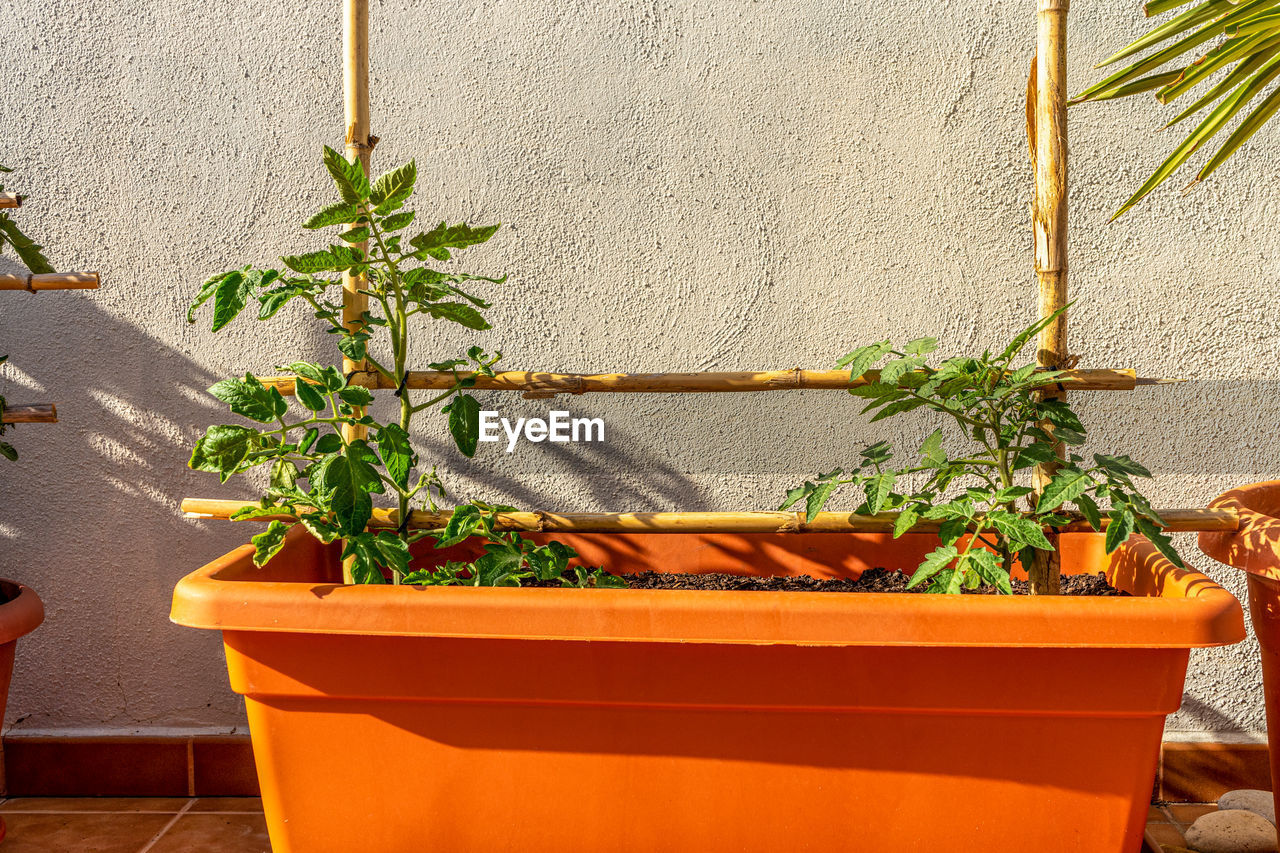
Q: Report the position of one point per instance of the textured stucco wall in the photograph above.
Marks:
(686, 185)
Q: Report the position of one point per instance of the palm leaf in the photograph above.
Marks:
(1169, 29)
(1205, 131)
(1241, 60)
(1232, 50)
(1251, 125)
(1237, 75)
(1209, 31)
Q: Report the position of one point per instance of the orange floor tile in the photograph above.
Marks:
(134, 825)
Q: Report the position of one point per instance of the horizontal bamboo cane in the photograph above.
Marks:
(537, 385)
(1178, 520)
(49, 281)
(45, 413)
(10, 200)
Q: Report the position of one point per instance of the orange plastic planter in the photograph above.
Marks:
(20, 614)
(410, 719)
(1255, 547)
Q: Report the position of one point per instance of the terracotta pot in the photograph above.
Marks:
(1255, 547)
(20, 614)
(408, 719)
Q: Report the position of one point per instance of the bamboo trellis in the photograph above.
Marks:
(1047, 136)
(535, 385)
(1176, 520)
(42, 413)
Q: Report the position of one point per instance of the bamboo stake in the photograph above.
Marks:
(43, 413)
(536, 384)
(359, 145)
(10, 200)
(1050, 224)
(355, 99)
(49, 281)
(1177, 520)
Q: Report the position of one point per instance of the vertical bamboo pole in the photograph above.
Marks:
(355, 100)
(1050, 223)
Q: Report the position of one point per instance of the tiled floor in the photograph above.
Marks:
(134, 825)
(1166, 824)
(235, 825)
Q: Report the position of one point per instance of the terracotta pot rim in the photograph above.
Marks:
(1255, 546)
(1172, 608)
(22, 613)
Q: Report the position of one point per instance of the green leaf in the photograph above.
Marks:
(308, 395)
(1034, 454)
(8, 451)
(437, 242)
(284, 474)
(391, 190)
(1024, 337)
(989, 569)
(817, 498)
(1090, 511)
(458, 312)
(373, 551)
(860, 360)
(27, 250)
(1247, 128)
(462, 524)
(878, 488)
(207, 290)
(931, 451)
(342, 213)
(898, 408)
(348, 478)
(464, 423)
(348, 176)
(222, 448)
(397, 453)
(906, 519)
(795, 495)
(1020, 530)
(355, 235)
(328, 378)
(1119, 529)
(1066, 485)
(346, 257)
(229, 298)
(899, 367)
(312, 262)
(330, 442)
(269, 542)
(1162, 542)
(356, 395)
(500, 565)
(397, 221)
(936, 561)
(249, 398)
(1120, 465)
(920, 346)
(354, 347)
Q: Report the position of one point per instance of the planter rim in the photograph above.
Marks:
(1172, 608)
(1255, 546)
(21, 614)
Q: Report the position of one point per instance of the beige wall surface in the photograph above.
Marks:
(684, 186)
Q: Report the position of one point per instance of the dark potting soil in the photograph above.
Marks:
(871, 580)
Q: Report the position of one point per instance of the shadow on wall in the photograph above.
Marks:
(91, 518)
